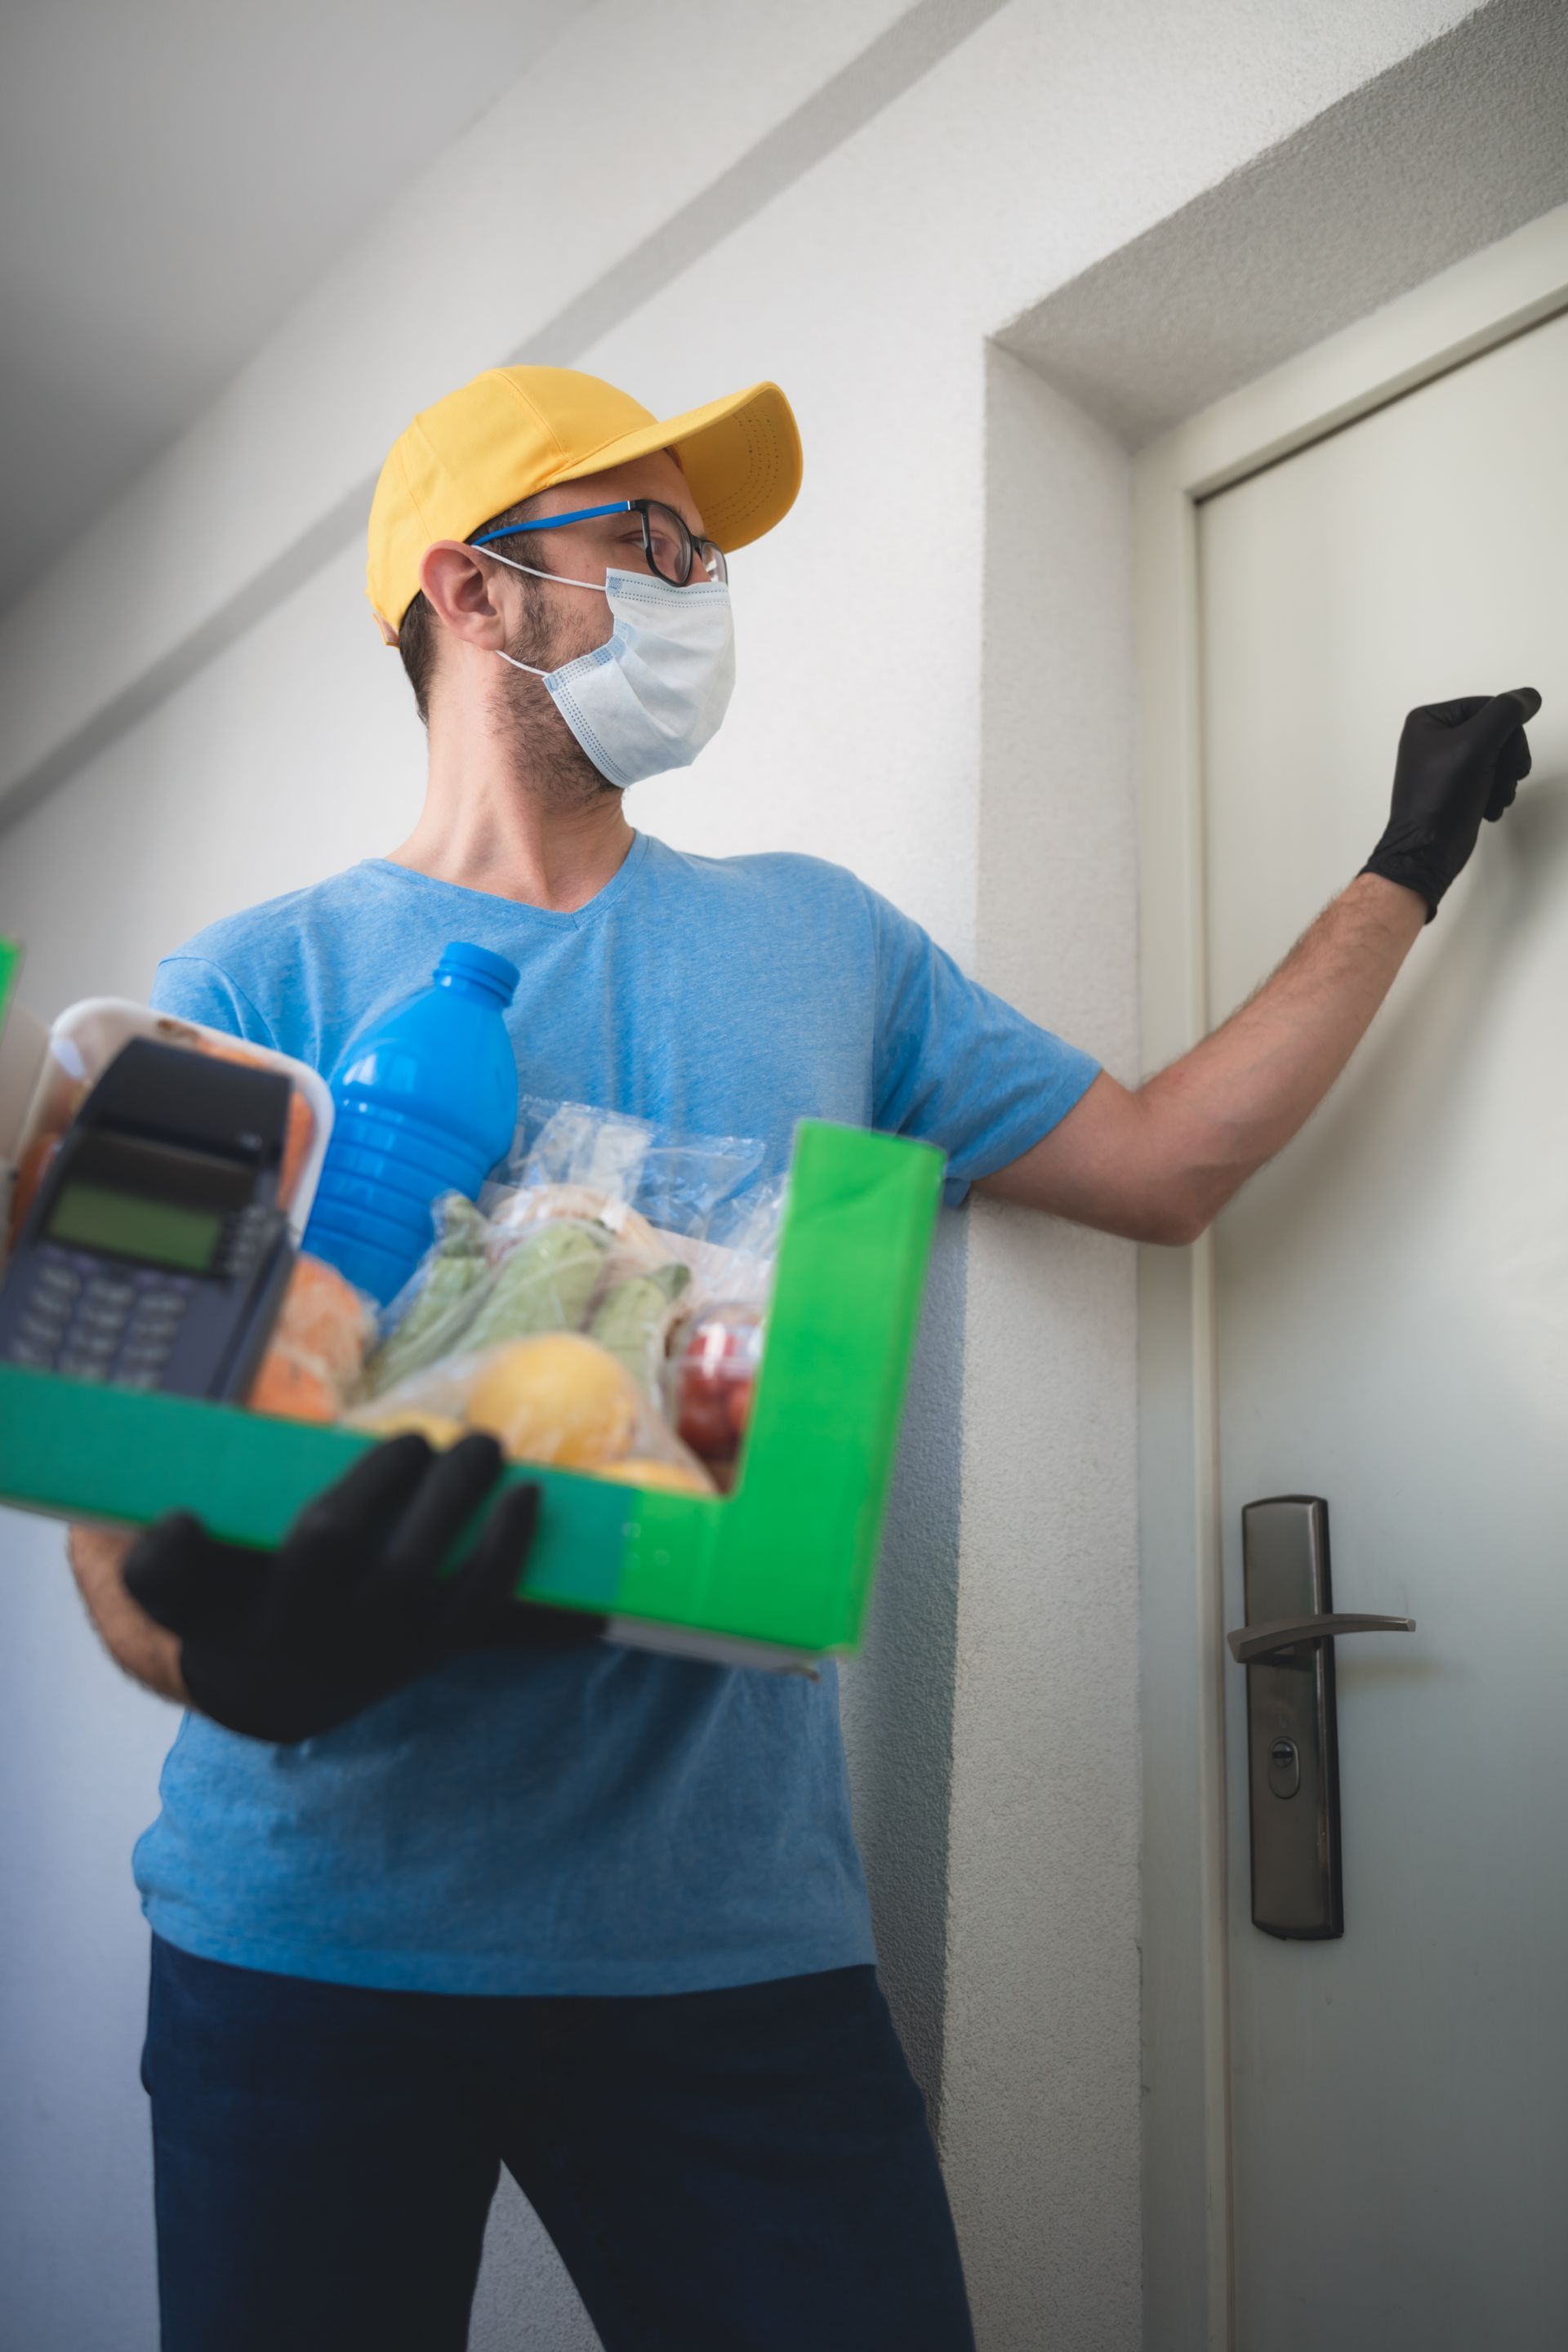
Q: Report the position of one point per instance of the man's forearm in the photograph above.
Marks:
(1156, 1163)
(133, 1638)
(1239, 1097)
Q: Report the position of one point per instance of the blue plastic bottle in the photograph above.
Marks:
(426, 1103)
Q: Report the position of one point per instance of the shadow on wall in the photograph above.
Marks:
(899, 1696)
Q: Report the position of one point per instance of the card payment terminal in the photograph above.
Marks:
(156, 1253)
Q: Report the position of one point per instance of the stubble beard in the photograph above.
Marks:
(553, 766)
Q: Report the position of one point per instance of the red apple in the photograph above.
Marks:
(738, 1404)
(715, 1376)
(703, 1423)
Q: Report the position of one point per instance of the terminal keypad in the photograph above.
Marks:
(93, 1319)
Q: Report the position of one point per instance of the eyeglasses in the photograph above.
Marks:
(671, 550)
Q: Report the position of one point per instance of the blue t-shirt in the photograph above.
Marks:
(610, 1822)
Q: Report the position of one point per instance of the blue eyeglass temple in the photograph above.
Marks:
(554, 522)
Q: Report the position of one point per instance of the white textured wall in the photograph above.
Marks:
(864, 246)
(1041, 2034)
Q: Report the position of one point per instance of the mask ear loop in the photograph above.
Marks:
(564, 578)
(565, 581)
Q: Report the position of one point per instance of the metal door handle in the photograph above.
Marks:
(1250, 1642)
(1286, 1646)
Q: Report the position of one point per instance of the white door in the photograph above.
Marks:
(1392, 1311)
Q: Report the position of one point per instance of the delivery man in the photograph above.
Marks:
(439, 1884)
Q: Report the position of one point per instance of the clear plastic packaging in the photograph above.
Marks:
(315, 1358)
(547, 1312)
(84, 1041)
(556, 1397)
(710, 1378)
(715, 1348)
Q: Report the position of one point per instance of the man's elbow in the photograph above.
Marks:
(1169, 1170)
(1176, 1204)
(1172, 1223)
(1184, 1178)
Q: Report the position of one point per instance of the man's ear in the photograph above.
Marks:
(461, 590)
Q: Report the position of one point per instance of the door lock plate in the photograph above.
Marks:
(1291, 1732)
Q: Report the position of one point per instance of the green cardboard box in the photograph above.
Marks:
(777, 1573)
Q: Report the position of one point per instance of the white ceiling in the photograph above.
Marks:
(173, 175)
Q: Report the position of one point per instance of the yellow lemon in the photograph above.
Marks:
(670, 1477)
(557, 1398)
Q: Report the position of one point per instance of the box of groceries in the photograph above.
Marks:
(702, 1367)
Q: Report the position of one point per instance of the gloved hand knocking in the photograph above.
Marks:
(352, 1605)
(1457, 762)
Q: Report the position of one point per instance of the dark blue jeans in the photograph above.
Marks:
(739, 2171)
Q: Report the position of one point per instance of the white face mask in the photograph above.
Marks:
(655, 692)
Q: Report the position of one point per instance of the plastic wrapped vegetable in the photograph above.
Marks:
(542, 1285)
(546, 1316)
(633, 1316)
(449, 1290)
(514, 1214)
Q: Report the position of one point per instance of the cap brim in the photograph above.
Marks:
(741, 456)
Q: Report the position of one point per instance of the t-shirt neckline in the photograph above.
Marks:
(519, 910)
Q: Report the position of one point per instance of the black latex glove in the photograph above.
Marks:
(1457, 762)
(352, 1605)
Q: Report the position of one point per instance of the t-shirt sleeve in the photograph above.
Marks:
(956, 1066)
(194, 989)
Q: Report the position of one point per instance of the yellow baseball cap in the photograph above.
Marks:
(516, 430)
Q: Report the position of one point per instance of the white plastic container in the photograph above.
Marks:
(87, 1036)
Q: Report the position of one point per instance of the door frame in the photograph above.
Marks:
(1480, 302)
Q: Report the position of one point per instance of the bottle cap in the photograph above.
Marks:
(492, 971)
